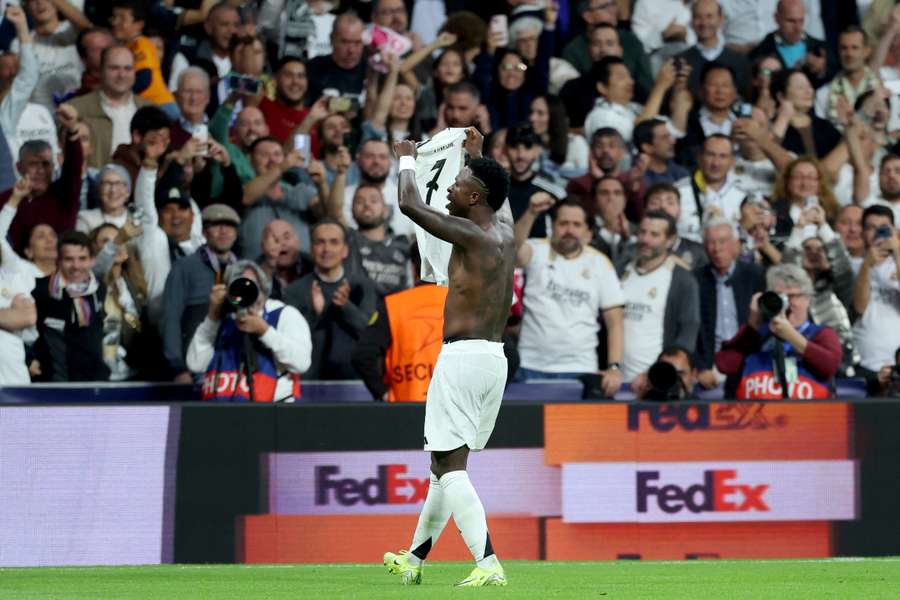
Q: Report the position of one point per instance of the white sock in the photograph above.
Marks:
(463, 501)
(434, 516)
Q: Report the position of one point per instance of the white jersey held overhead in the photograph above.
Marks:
(439, 161)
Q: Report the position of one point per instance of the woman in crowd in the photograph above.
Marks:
(566, 153)
(803, 183)
(796, 123)
(115, 192)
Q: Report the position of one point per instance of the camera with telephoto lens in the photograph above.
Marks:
(665, 383)
(242, 294)
(771, 304)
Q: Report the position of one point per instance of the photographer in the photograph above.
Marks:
(780, 345)
(671, 377)
(246, 331)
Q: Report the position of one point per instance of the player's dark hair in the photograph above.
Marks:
(495, 179)
(464, 87)
(671, 226)
(149, 118)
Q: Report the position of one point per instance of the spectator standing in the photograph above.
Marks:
(855, 77)
(109, 109)
(338, 308)
(374, 164)
(876, 293)
(661, 298)
(726, 287)
(281, 260)
(343, 72)
(186, 296)
(288, 110)
(523, 148)
(667, 198)
(91, 44)
(221, 24)
(570, 286)
(70, 316)
(849, 226)
(115, 192)
(54, 203)
(707, 20)
(192, 97)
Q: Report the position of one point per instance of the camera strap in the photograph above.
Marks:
(778, 360)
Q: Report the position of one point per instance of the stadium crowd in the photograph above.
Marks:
(669, 161)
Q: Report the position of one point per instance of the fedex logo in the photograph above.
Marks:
(389, 486)
(719, 492)
(702, 417)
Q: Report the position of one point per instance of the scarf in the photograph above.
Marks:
(841, 86)
(212, 259)
(81, 293)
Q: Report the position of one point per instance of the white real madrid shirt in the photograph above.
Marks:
(563, 299)
(877, 332)
(645, 310)
(16, 277)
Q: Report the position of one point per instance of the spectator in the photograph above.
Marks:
(754, 170)
(661, 298)
(127, 22)
(614, 235)
(577, 52)
(712, 189)
(374, 163)
(614, 106)
(343, 72)
(707, 20)
(653, 139)
(802, 179)
(108, 110)
(792, 46)
(115, 192)
(288, 110)
(395, 355)
(608, 157)
(21, 120)
(54, 39)
(128, 348)
(337, 307)
(249, 126)
(333, 130)
(186, 295)
(814, 246)
(801, 130)
(716, 114)
(462, 108)
(192, 97)
(876, 293)
(681, 360)
(663, 27)
(667, 198)
(757, 229)
(91, 44)
(523, 148)
(812, 353)
(18, 315)
(889, 184)
(54, 203)
(569, 286)
(297, 29)
(726, 287)
(849, 226)
(70, 316)
(267, 197)
(567, 152)
(149, 127)
(275, 335)
(374, 252)
(579, 94)
(221, 25)
(855, 77)
(40, 249)
(281, 260)
(889, 377)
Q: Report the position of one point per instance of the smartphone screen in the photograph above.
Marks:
(301, 143)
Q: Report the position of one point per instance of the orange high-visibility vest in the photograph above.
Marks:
(416, 319)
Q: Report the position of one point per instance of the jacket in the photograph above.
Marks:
(91, 112)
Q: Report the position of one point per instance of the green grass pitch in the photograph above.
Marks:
(868, 579)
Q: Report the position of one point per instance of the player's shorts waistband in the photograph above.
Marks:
(466, 345)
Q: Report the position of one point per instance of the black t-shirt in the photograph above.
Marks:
(323, 74)
(385, 263)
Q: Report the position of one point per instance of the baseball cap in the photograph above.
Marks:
(173, 194)
(220, 213)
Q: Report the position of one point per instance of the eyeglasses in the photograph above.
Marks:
(521, 67)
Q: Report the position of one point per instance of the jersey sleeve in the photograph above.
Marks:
(611, 294)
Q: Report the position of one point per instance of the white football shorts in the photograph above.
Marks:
(464, 395)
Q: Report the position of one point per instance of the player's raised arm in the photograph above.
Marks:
(457, 230)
